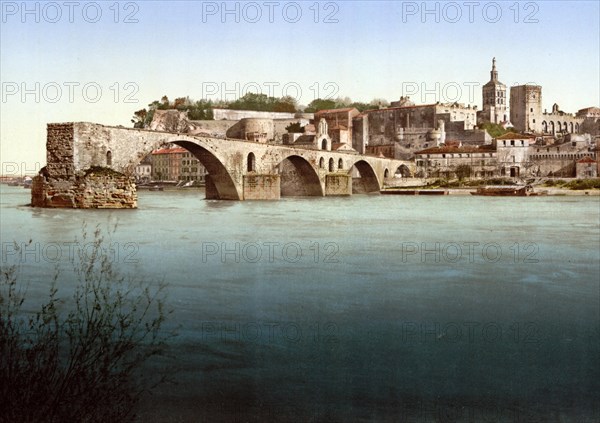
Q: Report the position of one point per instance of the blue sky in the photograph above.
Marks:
(362, 50)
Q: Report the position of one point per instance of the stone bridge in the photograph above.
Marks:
(237, 169)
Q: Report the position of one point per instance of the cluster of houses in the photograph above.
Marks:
(438, 138)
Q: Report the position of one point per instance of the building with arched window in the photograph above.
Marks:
(495, 100)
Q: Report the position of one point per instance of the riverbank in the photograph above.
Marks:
(550, 191)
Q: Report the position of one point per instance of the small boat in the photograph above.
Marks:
(507, 191)
(156, 188)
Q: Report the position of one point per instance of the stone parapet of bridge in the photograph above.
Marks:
(237, 169)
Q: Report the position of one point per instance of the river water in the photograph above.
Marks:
(366, 308)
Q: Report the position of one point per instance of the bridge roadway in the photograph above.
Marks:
(237, 169)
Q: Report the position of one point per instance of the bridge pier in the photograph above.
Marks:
(338, 184)
(262, 187)
(211, 189)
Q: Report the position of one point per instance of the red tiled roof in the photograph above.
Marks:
(387, 109)
(513, 136)
(345, 110)
(586, 159)
(170, 150)
(464, 149)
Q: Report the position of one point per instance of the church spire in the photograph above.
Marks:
(494, 72)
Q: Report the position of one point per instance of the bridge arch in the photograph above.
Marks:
(299, 177)
(368, 181)
(403, 171)
(220, 184)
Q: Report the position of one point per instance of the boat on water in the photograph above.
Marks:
(156, 188)
(508, 191)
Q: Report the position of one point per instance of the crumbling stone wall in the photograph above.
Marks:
(98, 188)
(61, 185)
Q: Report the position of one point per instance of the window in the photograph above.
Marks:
(251, 162)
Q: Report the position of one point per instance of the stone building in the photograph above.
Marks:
(176, 164)
(512, 155)
(339, 123)
(560, 159)
(166, 164)
(526, 113)
(494, 99)
(443, 161)
(317, 138)
(591, 120)
(586, 168)
(143, 171)
(512, 151)
(589, 112)
(404, 130)
(191, 169)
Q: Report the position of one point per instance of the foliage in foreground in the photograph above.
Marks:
(82, 363)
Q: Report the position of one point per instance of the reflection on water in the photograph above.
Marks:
(369, 308)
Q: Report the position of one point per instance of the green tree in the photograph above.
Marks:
(295, 127)
(463, 171)
(495, 130)
(320, 104)
(80, 360)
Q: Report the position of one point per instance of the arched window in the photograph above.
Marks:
(324, 144)
(340, 164)
(251, 163)
(386, 174)
(322, 163)
(108, 158)
(331, 165)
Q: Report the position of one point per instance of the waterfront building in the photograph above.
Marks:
(143, 171)
(176, 164)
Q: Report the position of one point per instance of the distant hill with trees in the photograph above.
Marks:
(203, 109)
